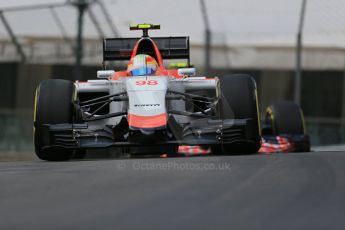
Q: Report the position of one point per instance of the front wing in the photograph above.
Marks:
(202, 132)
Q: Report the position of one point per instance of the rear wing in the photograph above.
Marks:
(115, 49)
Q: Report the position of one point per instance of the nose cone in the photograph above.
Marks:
(147, 122)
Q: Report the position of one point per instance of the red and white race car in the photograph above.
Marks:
(146, 108)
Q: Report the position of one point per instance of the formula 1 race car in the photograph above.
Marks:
(146, 109)
(283, 129)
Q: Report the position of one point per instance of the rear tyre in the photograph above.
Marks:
(53, 105)
(239, 101)
(285, 117)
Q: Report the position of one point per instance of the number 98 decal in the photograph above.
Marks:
(144, 82)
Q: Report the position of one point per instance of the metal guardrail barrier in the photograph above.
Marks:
(325, 131)
(16, 130)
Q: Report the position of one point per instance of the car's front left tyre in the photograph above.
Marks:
(238, 100)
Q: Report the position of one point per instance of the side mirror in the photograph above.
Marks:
(105, 73)
(186, 71)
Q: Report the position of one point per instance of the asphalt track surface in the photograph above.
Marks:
(280, 191)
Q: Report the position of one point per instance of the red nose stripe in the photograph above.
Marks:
(147, 121)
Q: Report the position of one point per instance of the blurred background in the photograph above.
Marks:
(294, 49)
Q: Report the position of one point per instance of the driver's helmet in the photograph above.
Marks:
(142, 64)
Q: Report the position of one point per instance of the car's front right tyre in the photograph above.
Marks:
(53, 105)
